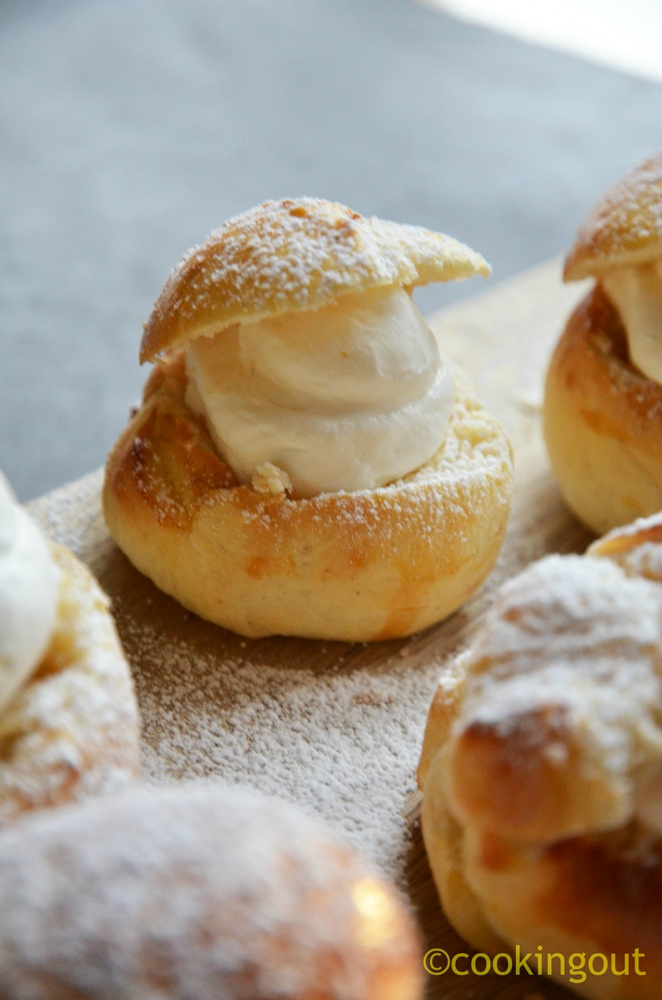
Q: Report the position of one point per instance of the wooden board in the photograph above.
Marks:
(337, 727)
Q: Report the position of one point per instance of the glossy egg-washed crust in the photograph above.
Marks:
(360, 566)
(625, 227)
(72, 730)
(289, 255)
(602, 420)
(534, 839)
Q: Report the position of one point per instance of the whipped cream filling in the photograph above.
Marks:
(637, 294)
(29, 584)
(347, 397)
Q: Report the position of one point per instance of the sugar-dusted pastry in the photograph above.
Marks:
(603, 399)
(194, 893)
(68, 714)
(636, 547)
(541, 772)
(305, 460)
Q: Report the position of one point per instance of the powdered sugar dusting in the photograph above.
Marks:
(640, 526)
(73, 518)
(290, 255)
(578, 635)
(625, 380)
(334, 727)
(72, 730)
(169, 655)
(643, 560)
(296, 251)
(328, 742)
(201, 894)
(635, 547)
(625, 227)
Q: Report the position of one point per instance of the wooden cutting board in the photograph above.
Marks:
(337, 727)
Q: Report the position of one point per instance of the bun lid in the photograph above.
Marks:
(625, 227)
(289, 255)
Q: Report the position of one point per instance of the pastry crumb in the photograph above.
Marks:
(268, 478)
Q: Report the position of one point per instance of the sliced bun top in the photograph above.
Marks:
(294, 254)
(624, 228)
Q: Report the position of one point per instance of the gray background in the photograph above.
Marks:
(130, 128)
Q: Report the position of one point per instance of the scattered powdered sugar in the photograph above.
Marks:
(295, 254)
(581, 604)
(635, 547)
(334, 727)
(643, 560)
(205, 893)
(640, 526)
(73, 517)
(578, 635)
(72, 729)
(344, 745)
(299, 251)
(624, 227)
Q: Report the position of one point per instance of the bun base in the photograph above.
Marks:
(369, 565)
(538, 835)
(602, 421)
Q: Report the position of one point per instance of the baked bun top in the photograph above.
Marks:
(291, 255)
(625, 227)
(558, 731)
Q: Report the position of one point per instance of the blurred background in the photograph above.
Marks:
(130, 128)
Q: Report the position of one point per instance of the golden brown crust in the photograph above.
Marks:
(590, 895)
(298, 253)
(587, 896)
(443, 712)
(540, 769)
(602, 421)
(443, 836)
(73, 729)
(361, 566)
(631, 536)
(636, 547)
(625, 227)
(505, 778)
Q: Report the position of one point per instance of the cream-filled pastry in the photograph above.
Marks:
(636, 292)
(197, 893)
(29, 590)
(603, 398)
(541, 770)
(306, 461)
(349, 396)
(68, 714)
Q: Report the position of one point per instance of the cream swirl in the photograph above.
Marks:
(29, 582)
(637, 294)
(350, 396)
